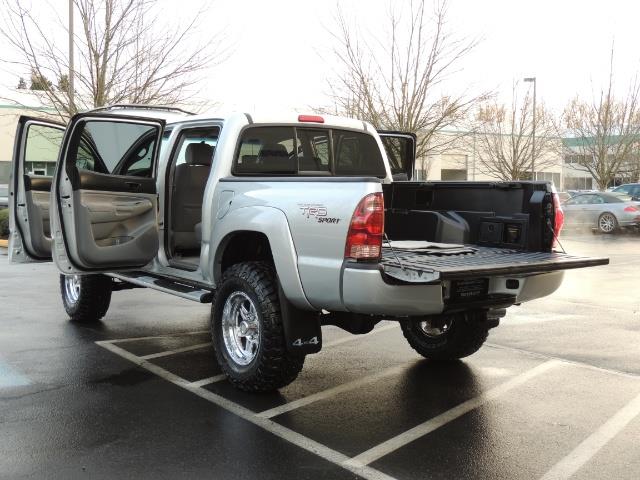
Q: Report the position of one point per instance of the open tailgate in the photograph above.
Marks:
(468, 262)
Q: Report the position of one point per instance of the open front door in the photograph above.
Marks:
(35, 153)
(104, 202)
(401, 152)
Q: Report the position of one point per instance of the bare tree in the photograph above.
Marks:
(505, 143)
(126, 54)
(606, 131)
(396, 81)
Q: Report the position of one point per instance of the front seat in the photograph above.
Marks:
(190, 180)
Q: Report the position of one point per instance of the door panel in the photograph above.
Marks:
(36, 148)
(401, 153)
(106, 219)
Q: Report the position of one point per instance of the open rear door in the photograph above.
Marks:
(401, 152)
(104, 202)
(35, 153)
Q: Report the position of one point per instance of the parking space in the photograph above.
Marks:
(554, 394)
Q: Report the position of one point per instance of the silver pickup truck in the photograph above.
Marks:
(285, 223)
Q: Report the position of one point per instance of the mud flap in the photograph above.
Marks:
(302, 330)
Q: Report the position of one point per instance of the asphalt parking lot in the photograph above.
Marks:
(554, 394)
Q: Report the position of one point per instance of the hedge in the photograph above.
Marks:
(4, 223)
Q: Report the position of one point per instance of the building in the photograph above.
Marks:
(458, 159)
(577, 154)
(23, 102)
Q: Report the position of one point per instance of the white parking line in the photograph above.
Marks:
(345, 387)
(285, 433)
(177, 350)
(379, 451)
(154, 337)
(570, 464)
(208, 381)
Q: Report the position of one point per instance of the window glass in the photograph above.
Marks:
(117, 148)
(267, 150)
(399, 152)
(42, 149)
(313, 150)
(615, 198)
(271, 150)
(357, 154)
(208, 135)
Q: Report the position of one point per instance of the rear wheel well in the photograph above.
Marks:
(243, 246)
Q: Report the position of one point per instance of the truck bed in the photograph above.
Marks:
(422, 266)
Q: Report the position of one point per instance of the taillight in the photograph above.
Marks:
(558, 218)
(364, 240)
(631, 208)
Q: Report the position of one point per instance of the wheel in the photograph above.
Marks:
(448, 337)
(607, 223)
(85, 298)
(247, 330)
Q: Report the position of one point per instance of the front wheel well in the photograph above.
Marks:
(243, 246)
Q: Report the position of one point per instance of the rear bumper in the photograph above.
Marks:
(365, 291)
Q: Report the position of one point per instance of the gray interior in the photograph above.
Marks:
(113, 228)
(190, 180)
(37, 204)
(33, 216)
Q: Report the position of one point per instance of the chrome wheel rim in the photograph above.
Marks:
(432, 330)
(72, 287)
(240, 328)
(607, 223)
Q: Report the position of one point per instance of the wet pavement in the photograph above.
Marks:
(555, 393)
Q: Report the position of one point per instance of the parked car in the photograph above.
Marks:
(4, 195)
(564, 196)
(573, 193)
(285, 223)
(631, 189)
(605, 211)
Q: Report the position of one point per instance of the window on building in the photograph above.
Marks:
(453, 174)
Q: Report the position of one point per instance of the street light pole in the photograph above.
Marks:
(71, 74)
(533, 133)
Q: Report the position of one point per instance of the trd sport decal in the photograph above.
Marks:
(318, 212)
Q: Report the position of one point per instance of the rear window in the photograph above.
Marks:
(307, 151)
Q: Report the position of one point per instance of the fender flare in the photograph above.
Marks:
(272, 223)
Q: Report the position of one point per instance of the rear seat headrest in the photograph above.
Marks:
(198, 154)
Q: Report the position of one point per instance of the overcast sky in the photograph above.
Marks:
(280, 49)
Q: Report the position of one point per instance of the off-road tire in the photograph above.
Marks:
(273, 366)
(93, 299)
(467, 333)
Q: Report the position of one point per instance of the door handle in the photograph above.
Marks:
(133, 186)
